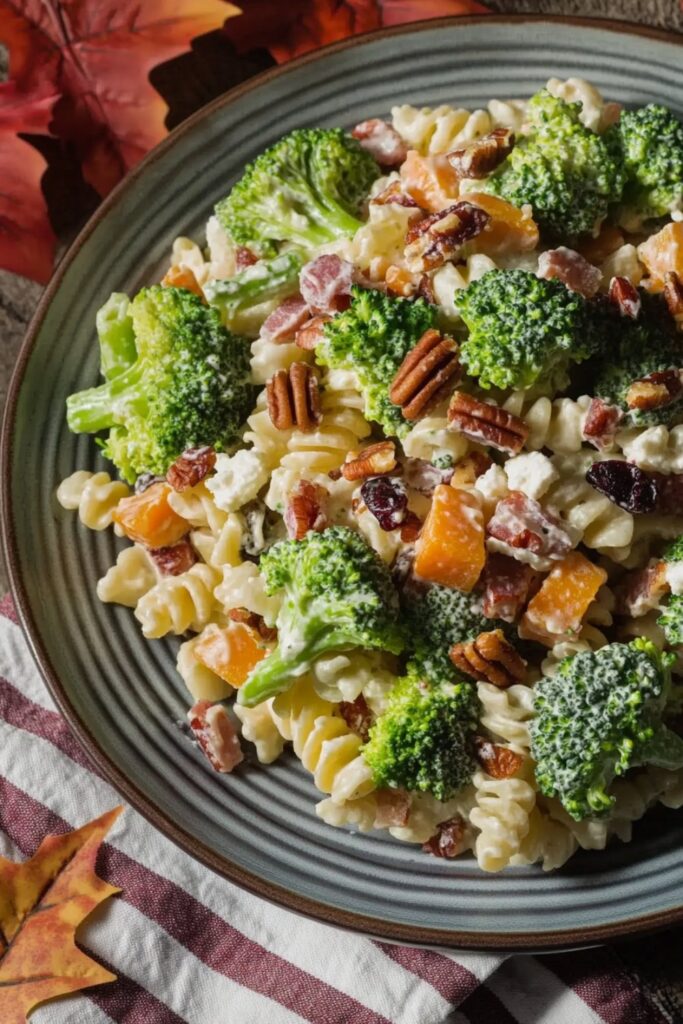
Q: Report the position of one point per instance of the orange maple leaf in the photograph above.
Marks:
(42, 902)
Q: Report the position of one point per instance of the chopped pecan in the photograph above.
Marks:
(481, 156)
(423, 372)
(490, 658)
(487, 423)
(625, 297)
(216, 735)
(173, 560)
(306, 510)
(448, 840)
(311, 334)
(386, 499)
(642, 590)
(655, 390)
(293, 398)
(522, 528)
(357, 715)
(382, 142)
(673, 293)
(146, 480)
(374, 460)
(425, 290)
(600, 424)
(438, 237)
(191, 467)
(410, 528)
(508, 585)
(393, 195)
(254, 621)
(393, 808)
(497, 761)
(572, 269)
(470, 468)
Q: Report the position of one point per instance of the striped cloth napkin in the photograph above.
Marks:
(190, 948)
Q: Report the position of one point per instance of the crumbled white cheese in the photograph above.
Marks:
(674, 576)
(238, 479)
(655, 449)
(531, 472)
(492, 485)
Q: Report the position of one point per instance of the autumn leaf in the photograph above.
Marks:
(287, 30)
(42, 902)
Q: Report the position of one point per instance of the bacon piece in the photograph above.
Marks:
(641, 591)
(448, 840)
(357, 715)
(521, 527)
(498, 762)
(306, 510)
(325, 283)
(216, 735)
(572, 269)
(285, 321)
(422, 476)
(382, 142)
(191, 467)
(393, 808)
(600, 424)
(244, 257)
(173, 560)
(508, 585)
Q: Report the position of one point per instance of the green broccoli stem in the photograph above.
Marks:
(115, 335)
(663, 750)
(100, 408)
(263, 282)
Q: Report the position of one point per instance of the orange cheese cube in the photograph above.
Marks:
(430, 180)
(182, 277)
(450, 549)
(557, 610)
(399, 281)
(662, 253)
(231, 652)
(149, 519)
(509, 230)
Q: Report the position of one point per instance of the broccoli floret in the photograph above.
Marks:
(437, 617)
(422, 741)
(372, 338)
(188, 386)
(306, 189)
(597, 717)
(564, 170)
(115, 335)
(649, 141)
(671, 619)
(524, 331)
(635, 349)
(337, 595)
(265, 281)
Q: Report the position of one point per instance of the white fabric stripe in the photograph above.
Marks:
(533, 993)
(351, 964)
(481, 965)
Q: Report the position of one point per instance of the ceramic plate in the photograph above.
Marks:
(120, 692)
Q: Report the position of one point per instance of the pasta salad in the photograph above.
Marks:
(398, 450)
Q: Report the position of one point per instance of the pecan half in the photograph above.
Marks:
(655, 390)
(600, 424)
(357, 715)
(673, 293)
(311, 334)
(306, 510)
(191, 467)
(497, 761)
(437, 238)
(293, 398)
(374, 460)
(481, 156)
(448, 840)
(426, 368)
(487, 423)
(490, 658)
(393, 195)
(625, 297)
(470, 468)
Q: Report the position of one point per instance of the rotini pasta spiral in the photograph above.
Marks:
(506, 713)
(179, 603)
(548, 842)
(354, 814)
(129, 579)
(555, 425)
(657, 449)
(259, 728)
(431, 439)
(267, 357)
(338, 677)
(243, 586)
(432, 130)
(94, 495)
(222, 547)
(502, 815)
(603, 525)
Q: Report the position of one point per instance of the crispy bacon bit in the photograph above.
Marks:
(410, 528)
(437, 238)
(385, 497)
(244, 257)
(522, 528)
(393, 808)
(486, 423)
(325, 283)
(374, 460)
(311, 334)
(423, 372)
(508, 585)
(625, 297)
(656, 390)
(498, 762)
(254, 621)
(382, 142)
(216, 735)
(357, 715)
(422, 476)
(191, 467)
(470, 468)
(284, 322)
(673, 293)
(481, 156)
(448, 840)
(306, 510)
(293, 398)
(393, 195)
(600, 424)
(572, 269)
(491, 659)
(642, 591)
(173, 560)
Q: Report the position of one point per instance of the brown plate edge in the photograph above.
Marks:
(545, 941)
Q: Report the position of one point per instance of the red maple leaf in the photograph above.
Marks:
(287, 30)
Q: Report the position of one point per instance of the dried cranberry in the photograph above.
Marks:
(447, 841)
(386, 498)
(626, 485)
